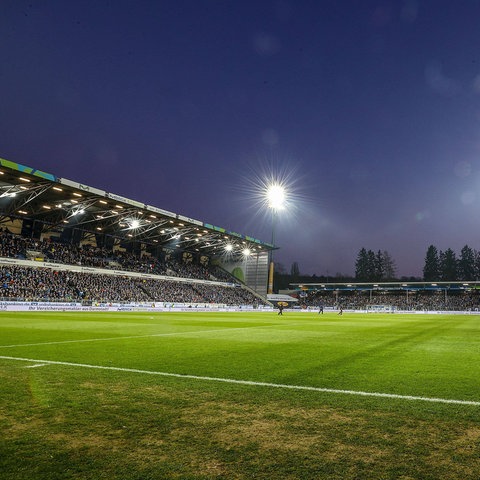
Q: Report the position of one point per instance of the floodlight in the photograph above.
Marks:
(229, 247)
(246, 252)
(134, 224)
(276, 196)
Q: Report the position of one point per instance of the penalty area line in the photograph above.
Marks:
(360, 393)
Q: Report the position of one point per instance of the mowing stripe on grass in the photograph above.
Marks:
(106, 339)
(252, 383)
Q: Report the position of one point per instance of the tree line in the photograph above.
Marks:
(445, 265)
(439, 265)
(380, 266)
(374, 267)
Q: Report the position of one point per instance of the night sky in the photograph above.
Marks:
(369, 110)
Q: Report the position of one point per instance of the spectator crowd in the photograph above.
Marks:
(466, 300)
(15, 246)
(46, 284)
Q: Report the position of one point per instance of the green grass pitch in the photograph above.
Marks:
(239, 396)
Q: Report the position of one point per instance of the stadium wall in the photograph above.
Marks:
(251, 271)
(12, 306)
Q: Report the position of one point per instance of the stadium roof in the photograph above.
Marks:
(58, 203)
(386, 286)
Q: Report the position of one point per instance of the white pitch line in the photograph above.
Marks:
(253, 383)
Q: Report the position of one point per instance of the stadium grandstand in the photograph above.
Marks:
(60, 239)
(391, 296)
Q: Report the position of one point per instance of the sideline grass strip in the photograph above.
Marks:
(251, 383)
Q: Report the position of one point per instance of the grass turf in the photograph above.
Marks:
(61, 421)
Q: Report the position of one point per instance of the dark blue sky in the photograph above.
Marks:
(370, 110)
